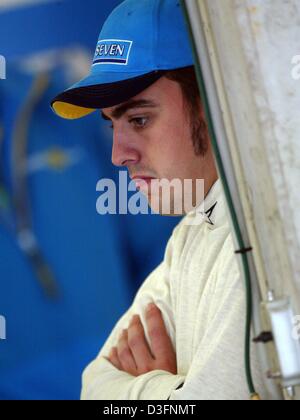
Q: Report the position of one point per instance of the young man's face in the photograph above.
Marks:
(152, 138)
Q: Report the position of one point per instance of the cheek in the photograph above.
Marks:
(170, 135)
(174, 149)
(167, 147)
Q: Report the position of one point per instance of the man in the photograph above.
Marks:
(182, 338)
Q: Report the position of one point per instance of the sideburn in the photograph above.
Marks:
(199, 136)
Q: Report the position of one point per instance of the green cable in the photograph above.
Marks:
(236, 226)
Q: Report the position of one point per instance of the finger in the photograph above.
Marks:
(114, 359)
(125, 355)
(139, 345)
(161, 343)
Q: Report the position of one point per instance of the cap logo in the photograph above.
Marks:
(112, 51)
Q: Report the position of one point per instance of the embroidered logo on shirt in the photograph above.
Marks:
(209, 213)
(112, 51)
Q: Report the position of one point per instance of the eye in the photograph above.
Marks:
(139, 122)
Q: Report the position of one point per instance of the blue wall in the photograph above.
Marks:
(98, 261)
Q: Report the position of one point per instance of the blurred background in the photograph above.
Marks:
(67, 274)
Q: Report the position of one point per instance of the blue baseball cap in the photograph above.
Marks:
(139, 42)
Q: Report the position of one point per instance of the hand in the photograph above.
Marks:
(133, 355)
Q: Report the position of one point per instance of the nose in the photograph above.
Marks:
(123, 152)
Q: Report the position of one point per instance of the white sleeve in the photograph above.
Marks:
(102, 381)
(217, 371)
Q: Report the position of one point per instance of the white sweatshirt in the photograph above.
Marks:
(200, 291)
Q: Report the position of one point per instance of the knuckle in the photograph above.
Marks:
(155, 332)
(144, 369)
(124, 353)
(134, 341)
(122, 338)
(152, 314)
(135, 320)
(113, 352)
(154, 311)
(167, 365)
(134, 329)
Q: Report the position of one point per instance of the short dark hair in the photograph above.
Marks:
(187, 79)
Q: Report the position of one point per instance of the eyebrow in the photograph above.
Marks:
(134, 103)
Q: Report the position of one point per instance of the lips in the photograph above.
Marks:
(141, 177)
(142, 182)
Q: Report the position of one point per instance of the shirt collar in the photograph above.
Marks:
(213, 209)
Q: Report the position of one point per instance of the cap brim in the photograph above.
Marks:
(90, 94)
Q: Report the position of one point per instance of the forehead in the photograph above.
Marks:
(157, 95)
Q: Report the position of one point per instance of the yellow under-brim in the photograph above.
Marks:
(84, 98)
(69, 111)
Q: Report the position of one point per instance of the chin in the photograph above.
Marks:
(155, 204)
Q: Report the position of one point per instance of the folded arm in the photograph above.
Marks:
(138, 360)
